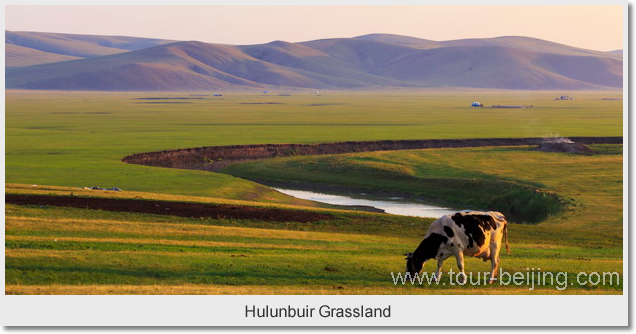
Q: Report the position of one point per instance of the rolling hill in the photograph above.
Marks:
(20, 56)
(42, 48)
(85, 62)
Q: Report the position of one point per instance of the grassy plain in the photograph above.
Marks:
(56, 250)
(78, 139)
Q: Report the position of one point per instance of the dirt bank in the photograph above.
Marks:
(561, 147)
(182, 209)
(216, 157)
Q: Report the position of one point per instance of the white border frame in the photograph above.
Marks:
(412, 310)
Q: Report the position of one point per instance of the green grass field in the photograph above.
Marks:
(78, 139)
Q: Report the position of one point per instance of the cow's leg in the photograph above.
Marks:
(460, 264)
(494, 262)
(438, 272)
(494, 265)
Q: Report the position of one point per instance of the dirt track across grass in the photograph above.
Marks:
(182, 209)
(216, 157)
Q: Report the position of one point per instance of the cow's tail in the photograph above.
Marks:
(505, 231)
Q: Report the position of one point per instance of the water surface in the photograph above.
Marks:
(393, 205)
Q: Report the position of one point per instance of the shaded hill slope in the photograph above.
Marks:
(503, 67)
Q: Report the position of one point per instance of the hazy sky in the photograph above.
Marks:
(591, 27)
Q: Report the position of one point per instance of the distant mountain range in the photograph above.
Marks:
(114, 63)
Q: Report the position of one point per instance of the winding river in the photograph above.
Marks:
(394, 205)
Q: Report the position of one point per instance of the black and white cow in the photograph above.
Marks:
(472, 233)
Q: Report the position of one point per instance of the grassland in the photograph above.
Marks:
(55, 250)
(78, 139)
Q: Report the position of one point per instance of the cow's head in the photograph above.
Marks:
(427, 249)
(412, 266)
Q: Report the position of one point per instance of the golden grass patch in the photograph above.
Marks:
(177, 243)
(183, 229)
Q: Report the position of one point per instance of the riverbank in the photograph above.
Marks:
(527, 186)
(214, 158)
